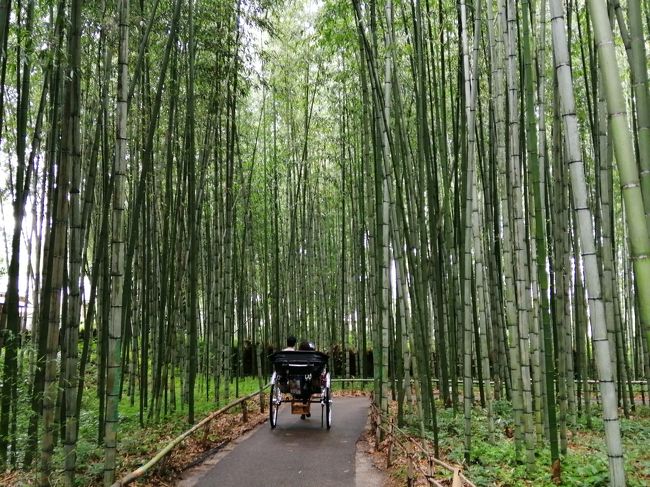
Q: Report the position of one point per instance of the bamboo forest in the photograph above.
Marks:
(449, 198)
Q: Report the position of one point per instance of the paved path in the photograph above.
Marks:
(296, 453)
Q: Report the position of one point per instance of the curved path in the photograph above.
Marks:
(296, 453)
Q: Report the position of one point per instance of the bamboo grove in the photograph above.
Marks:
(450, 197)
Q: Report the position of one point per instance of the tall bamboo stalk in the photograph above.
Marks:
(587, 244)
(623, 148)
(76, 241)
(113, 377)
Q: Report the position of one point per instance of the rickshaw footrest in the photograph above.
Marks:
(299, 408)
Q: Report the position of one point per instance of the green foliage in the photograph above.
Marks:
(495, 461)
(502, 409)
(593, 472)
(336, 27)
(352, 386)
(136, 444)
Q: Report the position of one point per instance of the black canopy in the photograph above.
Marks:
(299, 361)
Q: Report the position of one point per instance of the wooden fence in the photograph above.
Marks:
(139, 472)
(414, 453)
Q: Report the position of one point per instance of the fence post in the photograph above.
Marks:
(389, 453)
(378, 430)
(244, 412)
(410, 474)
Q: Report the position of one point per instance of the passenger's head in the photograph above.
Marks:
(291, 341)
(305, 345)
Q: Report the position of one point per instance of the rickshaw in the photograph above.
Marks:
(300, 378)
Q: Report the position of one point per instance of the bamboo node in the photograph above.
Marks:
(631, 185)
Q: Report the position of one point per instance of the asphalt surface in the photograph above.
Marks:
(296, 453)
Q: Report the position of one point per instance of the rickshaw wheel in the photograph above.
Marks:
(274, 405)
(328, 408)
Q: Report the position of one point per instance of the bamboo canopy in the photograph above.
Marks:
(448, 198)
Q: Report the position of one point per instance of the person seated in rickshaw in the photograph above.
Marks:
(291, 344)
(307, 346)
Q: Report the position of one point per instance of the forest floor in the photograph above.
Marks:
(495, 462)
(494, 459)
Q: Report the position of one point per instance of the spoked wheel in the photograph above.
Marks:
(275, 400)
(328, 408)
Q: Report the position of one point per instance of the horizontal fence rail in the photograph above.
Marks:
(139, 472)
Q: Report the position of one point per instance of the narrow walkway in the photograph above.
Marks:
(296, 453)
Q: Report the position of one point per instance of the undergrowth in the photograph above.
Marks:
(496, 462)
(136, 443)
